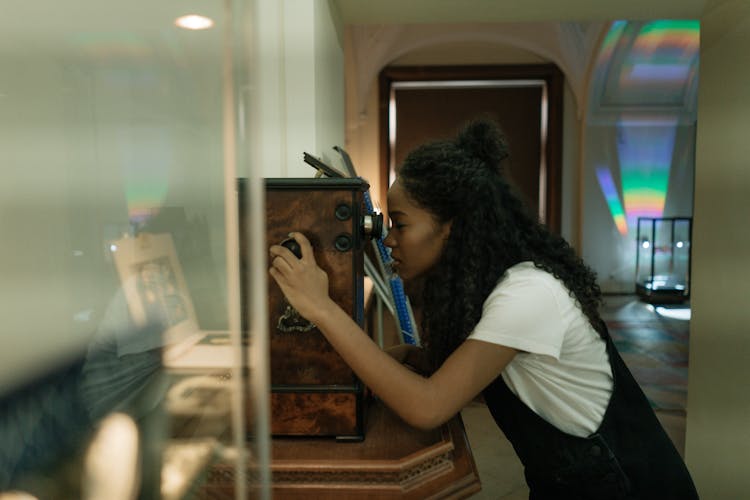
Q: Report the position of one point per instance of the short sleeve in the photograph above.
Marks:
(523, 313)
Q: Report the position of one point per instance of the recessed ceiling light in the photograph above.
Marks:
(194, 22)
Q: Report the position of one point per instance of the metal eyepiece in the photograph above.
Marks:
(372, 225)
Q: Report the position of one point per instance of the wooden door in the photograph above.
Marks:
(526, 101)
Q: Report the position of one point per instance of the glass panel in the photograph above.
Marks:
(662, 250)
(644, 273)
(120, 300)
(670, 258)
(681, 254)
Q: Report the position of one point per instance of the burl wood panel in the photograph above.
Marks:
(314, 392)
(301, 355)
(314, 414)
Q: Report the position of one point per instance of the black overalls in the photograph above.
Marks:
(628, 457)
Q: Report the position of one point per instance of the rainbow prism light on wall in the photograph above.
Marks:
(145, 170)
(645, 151)
(612, 196)
(647, 82)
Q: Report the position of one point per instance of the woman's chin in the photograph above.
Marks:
(405, 274)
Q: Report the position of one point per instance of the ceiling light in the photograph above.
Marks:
(194, 22)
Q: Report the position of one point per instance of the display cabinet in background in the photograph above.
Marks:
(663, 259)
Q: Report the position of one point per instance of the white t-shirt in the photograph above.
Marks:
(563, 373)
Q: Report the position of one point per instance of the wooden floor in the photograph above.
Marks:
(655, 348)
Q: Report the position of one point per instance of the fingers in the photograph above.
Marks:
(281, 262)
(305, 246)
(283, 254)
(284, 262)
(277, 276)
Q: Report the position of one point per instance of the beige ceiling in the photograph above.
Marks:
(454, 11)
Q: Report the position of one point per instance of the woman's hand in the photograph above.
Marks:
(305, 285)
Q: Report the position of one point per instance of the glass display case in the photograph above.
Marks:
(122, 369)
(663, 259)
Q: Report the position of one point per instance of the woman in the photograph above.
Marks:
(509, 311)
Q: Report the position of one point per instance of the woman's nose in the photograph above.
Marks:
(389, 240)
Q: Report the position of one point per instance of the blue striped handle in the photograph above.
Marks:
(403, 315)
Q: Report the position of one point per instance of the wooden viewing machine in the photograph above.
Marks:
(313, 391)
(331, 439)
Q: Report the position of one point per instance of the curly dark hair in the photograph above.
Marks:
(461, 181)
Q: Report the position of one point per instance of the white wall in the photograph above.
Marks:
(571, 151)
(299, 66)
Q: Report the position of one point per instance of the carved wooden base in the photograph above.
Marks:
(394, 461)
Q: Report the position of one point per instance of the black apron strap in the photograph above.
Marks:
(630, 455)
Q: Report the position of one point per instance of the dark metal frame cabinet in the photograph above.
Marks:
(662, 259)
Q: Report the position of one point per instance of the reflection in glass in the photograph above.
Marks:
(115, 294)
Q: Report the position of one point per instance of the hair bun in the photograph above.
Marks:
(483, 140)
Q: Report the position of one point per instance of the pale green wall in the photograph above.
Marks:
(102, 110)
(718, 412)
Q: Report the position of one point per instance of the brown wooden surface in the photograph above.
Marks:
(394, 461)
(299, 358)
(314, 392)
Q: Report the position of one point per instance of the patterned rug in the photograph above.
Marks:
(655, 348)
